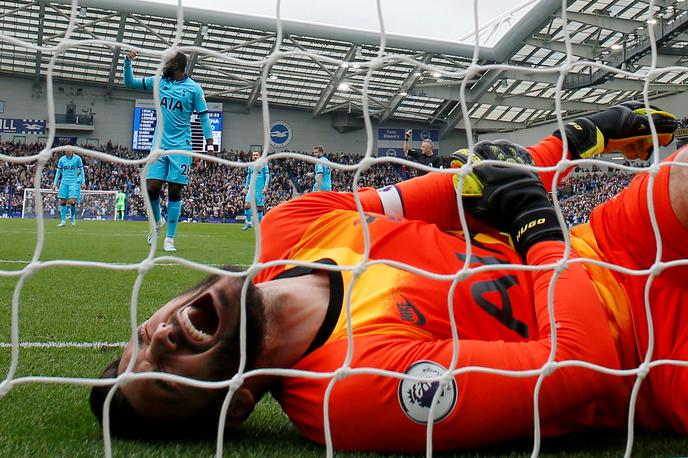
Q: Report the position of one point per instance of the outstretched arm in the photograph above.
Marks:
(201, 108)
(548, 153)
(131, 81)
(623, 128)
(431, 198)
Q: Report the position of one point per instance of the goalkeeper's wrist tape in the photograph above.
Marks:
(535, 226)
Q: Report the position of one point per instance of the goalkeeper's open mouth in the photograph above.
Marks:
(200, 321)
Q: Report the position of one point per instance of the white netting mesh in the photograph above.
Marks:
(382, 59)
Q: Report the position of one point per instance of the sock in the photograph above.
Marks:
(247, 212)
(156, 209)
(260, 216)
(174, 209)
(73, 208)
(63, 212)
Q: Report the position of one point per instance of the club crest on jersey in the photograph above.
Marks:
(416, 396)
(171, 104)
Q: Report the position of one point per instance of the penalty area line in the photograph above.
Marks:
(65, 344)
(98, 234)
(163, 264)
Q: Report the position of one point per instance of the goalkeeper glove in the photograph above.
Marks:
(499, 150)
(508, 199)
(624, 127)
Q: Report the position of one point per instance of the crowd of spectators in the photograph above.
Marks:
(216, 191)
(579, 193)
(14, 177)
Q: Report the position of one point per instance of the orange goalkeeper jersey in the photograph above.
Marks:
(401, 322)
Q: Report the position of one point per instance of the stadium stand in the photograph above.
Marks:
(578, 193)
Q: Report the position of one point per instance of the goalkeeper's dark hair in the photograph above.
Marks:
(126, 423)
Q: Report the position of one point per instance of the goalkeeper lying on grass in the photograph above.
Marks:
(296, 317)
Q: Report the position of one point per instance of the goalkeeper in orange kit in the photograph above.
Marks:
(401, 321)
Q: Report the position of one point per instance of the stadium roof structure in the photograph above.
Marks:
(421, 79)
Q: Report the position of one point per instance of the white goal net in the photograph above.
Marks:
(474, 104)
(92, 205)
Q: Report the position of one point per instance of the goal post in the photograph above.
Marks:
(92, 205)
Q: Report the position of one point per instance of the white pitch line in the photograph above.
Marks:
(117, 234)
(164, 264)
(65, 344)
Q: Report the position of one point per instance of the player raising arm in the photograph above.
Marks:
(70, 176)
(180, 97)
(400, 321)
(426, 155)
(262, 181)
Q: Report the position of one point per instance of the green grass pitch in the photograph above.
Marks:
(86, 304)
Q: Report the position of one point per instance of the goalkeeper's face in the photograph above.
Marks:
(196, 335)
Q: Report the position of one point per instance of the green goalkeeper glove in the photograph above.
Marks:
(506, 198)
(499, 150)
(624, 127)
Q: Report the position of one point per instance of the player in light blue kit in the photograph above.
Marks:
(323, 179)
(70, 175)
(180, 96)
(262, 181)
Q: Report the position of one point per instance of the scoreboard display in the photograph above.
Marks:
(145, 120)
